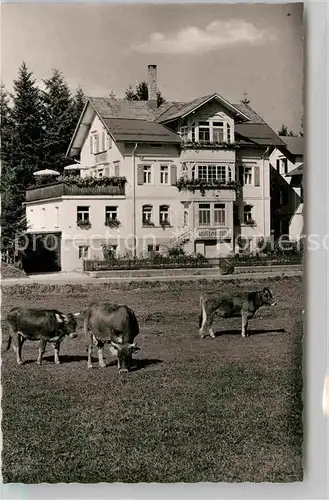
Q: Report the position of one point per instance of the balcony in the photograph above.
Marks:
(214, 189)
(58, 189)
(186, 144)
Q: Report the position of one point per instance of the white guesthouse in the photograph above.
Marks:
(196, 174)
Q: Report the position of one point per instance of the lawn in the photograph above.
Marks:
(193, 410)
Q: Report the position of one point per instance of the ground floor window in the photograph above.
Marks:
(164, 214)
(204, 214)
(84, 252)
(220, 214)
(153, 248)
(147, 214)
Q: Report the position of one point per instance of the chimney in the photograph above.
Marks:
(152, 86)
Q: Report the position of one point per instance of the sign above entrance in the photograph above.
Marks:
(213, 234)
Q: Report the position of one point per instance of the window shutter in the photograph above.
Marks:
(107, 171)
(278, 165)
(140, 175)
(173, 175)
(91, 139)
(116, 169)
(257, 176)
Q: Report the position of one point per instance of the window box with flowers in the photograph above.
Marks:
(83, 224)
(208, 145)
(165, 223)
(250, 222)
(203, 185)
(112, 223)
(148, 223)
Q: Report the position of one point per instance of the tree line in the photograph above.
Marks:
(36, 129)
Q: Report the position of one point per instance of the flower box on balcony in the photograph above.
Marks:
(202, 185)
(83, 224)
(250, 222)
(209, 145)
(112, 223)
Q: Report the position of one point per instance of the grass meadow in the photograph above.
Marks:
(192, 410)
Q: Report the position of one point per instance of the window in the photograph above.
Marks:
(247, 176)
(164, 214)
(185, 218)
(204, 131)
(156, 145)
(219, 214)
(153, 248)
(218, 132)
(103, 141)
(204, 214)
(111, 213)
(247, 214)
(84, 252)
(284, 162)
(229, 133)
(147, 171)
(116, 165)
(184, 133)
(278, 166)
(94, 143)
(100, 173)
(147, 214)
(164, 174)
(83, 214)
(214, 173)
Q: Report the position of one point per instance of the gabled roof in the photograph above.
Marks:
(180, 110)
(259, 133)
(297, 171)
(295, 145)
(127, 130)
(107, 107)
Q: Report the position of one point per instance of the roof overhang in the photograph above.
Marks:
(216, 96)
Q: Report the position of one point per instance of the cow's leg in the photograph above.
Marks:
(56, 353)
(90, 349)
(21, 341)
(244, 326)
(42, 348)
(209, 318)
(17, 346)
(100, 346)
(203, 319)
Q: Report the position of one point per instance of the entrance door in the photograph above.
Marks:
(210, 248)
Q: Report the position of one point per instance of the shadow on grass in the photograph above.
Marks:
(250, 332)
(63, 359)
(139, 364)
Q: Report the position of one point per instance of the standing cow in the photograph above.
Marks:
(117, 325)
(229, 306)
(45, 325)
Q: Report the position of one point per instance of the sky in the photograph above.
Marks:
(199, 49)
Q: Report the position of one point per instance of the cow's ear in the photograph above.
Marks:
(77, 314)
(116, 346)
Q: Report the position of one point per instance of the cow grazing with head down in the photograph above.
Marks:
(45, 325)
(242, 305)
(117, 325)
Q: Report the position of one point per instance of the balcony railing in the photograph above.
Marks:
(100, 157)
(58, 189)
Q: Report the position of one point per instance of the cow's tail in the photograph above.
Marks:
(201, 312)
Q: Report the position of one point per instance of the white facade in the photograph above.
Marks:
(202, 223)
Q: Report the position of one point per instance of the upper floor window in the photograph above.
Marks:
(204, 131)
(218, 131)
(247, 175)
(83, 213)
(147, 177)
(94, 143)
(111, 213)
(209, 173)
(204, 214)
(164, 174)
(103, 146)
(147, 214)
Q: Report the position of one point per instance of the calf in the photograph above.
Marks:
(116, 325)
(225, 306)
(45, 325)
